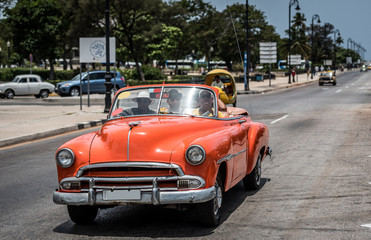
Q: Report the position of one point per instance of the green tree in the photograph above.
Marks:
(36, 26)
(133, 21)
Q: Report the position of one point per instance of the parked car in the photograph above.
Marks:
(162, 145)
(327, 77)
(96, 82)
(27, 84)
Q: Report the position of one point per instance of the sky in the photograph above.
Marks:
(351, 17)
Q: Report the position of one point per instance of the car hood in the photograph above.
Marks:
(6, 84)
(65, 82)
(151, 139)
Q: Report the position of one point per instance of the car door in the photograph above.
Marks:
(22, 88)
(34, 86)
(99, 82)
(238, 133)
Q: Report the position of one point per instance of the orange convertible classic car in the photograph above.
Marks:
(163, 145)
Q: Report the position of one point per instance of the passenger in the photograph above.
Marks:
(143, 100)
(206, 108)
(217, 82)
(173, 101)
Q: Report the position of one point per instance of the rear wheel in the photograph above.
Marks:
(82, 215)
(74, 92)
(252, 180)
(235, 103)
(9, 94)
(209, 212)
(44, 93)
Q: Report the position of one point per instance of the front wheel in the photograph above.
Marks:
(252, 180)
(75, 92)
(82, 215)
(9, 94)
(209, 212)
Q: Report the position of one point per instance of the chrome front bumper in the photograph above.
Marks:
(153, 197)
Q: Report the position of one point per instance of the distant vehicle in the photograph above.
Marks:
(363, 68)
(327, 77)
(96, 82)
(182, 64)
(218, 65)
(228, 94)
(369, 67)
(27, 84)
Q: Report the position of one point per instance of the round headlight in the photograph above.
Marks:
(65, 157)
(195, 155)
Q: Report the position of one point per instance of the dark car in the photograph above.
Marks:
(96, 83)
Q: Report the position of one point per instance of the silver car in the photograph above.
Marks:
(28, 84)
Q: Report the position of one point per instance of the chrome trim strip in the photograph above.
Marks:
(93, 180)
(225, 158)
(176, 167)
(230, 156)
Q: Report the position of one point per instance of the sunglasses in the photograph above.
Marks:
(174, 98)
(206, 96)
(143, 100)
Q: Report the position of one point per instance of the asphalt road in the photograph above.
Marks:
(316, 186)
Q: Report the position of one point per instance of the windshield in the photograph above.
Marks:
(77, 77)
(16, 79)
(195, 101)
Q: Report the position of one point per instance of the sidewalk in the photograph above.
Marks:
(22, 123)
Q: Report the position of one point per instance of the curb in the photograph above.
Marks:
(41, 135)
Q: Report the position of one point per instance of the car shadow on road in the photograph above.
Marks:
(155, 222)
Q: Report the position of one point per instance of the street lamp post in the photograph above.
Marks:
(108, 74)
(292, 3)
(8, 45)
(338, 32)
(247, 68)
(315, 16)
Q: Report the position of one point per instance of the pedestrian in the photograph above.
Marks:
(308, 73)
(293, 73)
(322, 68)
(316, 70)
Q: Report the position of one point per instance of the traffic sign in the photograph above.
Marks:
(268, 52)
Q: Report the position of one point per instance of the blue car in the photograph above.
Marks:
(96, 83)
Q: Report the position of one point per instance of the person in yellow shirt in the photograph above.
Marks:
(173, 101)
(206, 108)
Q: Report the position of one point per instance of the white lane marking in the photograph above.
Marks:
(346, 86)
(324, 88)
(279, 119)
(369, 182)
(339, 91)
(366, 225)
(369, 156)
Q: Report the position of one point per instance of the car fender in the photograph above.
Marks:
(217, 146)
(81, 148)
(258, 139)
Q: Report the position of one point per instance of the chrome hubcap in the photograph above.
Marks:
(218, 199)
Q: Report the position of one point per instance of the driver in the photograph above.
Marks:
(143, 100)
